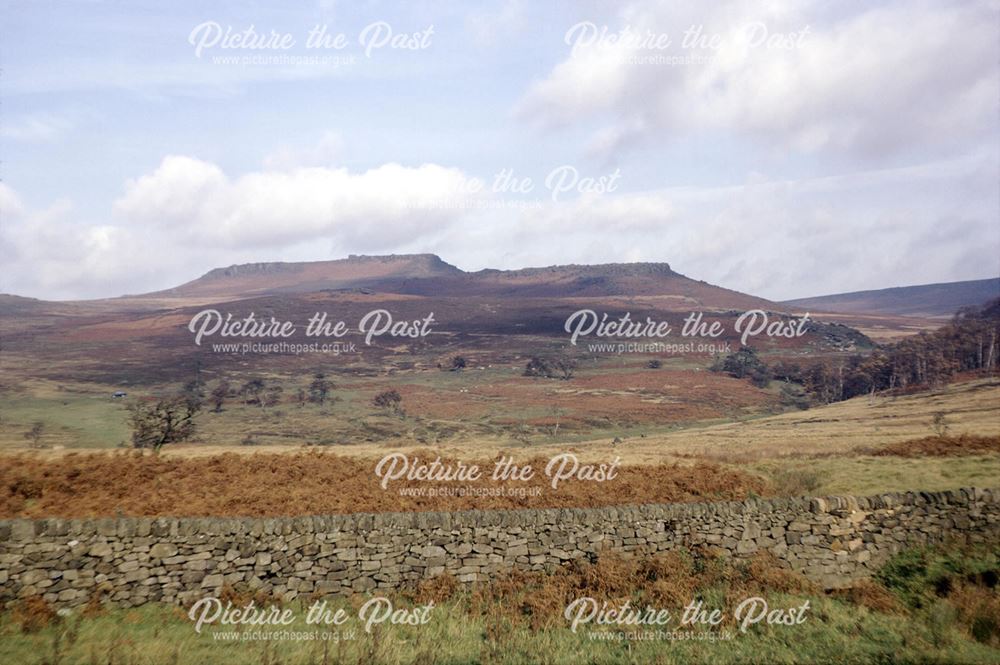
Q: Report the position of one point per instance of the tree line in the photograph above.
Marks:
(156, 422)
(969, 342)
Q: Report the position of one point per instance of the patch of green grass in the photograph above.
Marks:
(73, 420)
(160, 635)
(920, 576)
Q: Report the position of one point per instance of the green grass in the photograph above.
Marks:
(156, 634)
(71, 419)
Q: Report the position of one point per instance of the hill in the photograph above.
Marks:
(926, 300)
(255, 279)
(427, 275)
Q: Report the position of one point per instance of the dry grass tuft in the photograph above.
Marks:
(874, 596)
(979, 610)
(33, 614)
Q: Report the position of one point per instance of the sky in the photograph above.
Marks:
(784, 149)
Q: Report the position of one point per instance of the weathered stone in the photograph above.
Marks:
(162, 550)
(212, 581)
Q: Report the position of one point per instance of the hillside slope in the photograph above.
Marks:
(926, 300)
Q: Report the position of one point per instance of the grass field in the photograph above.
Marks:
(864, 476)
(71, 419)
(822, 451)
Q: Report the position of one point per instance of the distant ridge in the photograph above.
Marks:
(429, 276)
(356, 271)
(925, 300)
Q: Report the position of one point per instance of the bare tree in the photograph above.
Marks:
(219, 395)
(940, 424)
(194, 391)
(34, 435)
(251, 391)
(162, 421)
(319, 389)
(272, 396)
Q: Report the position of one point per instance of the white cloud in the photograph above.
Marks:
(888, 79)
(776, 238)
(46, 254)
(196, 202)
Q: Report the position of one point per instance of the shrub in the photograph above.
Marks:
(793, 395)
(563, 368)
(388, 399)
(538, 367)
(760, 376)
(740, 364)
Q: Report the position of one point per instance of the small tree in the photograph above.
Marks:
(388, 399)
(940, 424)
(219, 395)
(760, 376)
(251, 391)
(157, 423)
(741, 363)
(656, 363)
(34, 435)
(272, 396)
(458, 364)
(319, 389)
(194, 391)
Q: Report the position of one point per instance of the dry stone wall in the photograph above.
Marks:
(131, 561)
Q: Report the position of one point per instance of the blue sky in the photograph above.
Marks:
(858, 148)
